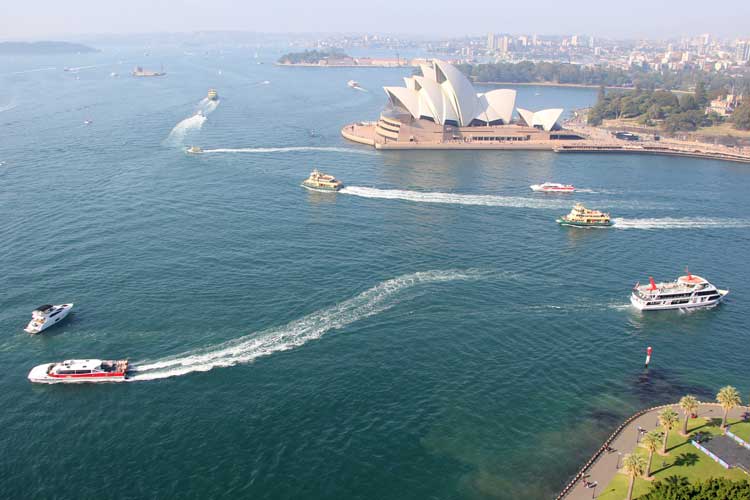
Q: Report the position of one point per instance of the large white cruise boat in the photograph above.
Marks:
(687, 292)
(79, 371)
(47, 315)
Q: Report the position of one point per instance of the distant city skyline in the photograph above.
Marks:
(37, 19)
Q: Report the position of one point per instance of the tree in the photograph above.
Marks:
(688, 404)
(634, 466)
(728, 398)
(668, 418)
(701, 95)
(680, 488)
(651, 442)
(741, 116)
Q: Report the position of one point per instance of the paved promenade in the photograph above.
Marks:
(604, 468)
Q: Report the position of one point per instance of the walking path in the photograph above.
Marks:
(604, 465)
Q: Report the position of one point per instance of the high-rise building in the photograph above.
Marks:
(574, 40)
(706, 39)
(491, 41)
(742, 54)
(523, 40)
(504, 44)
(534, 40)
(591, 42)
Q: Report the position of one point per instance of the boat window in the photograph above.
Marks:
(55, 313)
(66, 372)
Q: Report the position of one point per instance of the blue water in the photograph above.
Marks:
(430, 332)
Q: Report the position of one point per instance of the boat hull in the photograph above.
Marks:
(670, 304)
(322, 189)
(564, 222)
(33, 330)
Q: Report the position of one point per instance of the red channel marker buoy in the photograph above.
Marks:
(648, 355)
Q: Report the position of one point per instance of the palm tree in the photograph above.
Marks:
(634, 465)
(688, 404)
(651, 442)
(728, 398)
(668, 418)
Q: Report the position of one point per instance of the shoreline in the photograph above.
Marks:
(573, 85)
(365, 134)
(602, 468)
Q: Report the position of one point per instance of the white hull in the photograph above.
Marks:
(319, 190)
(36, 326)
(670, 304)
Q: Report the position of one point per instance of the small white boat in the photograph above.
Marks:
(553, 187)
(47, 315)
(353, 84)
(194, 150)
(688, 292)
(77, 371)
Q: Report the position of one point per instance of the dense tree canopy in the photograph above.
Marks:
(711, 84)
(652, 106)
(676, 489)
(741, 116)
(309, 56)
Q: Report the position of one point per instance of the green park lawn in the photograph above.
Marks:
(683, 460)
(741, 429)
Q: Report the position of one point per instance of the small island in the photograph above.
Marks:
(336, 59)
(32, 48)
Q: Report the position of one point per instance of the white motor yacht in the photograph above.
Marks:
(553, 187)
(76, 371)
(47, 315)
(687, 292)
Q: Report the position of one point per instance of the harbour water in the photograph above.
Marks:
(429, 332)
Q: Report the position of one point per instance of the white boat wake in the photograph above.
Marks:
(672, 223)
(456, 199)
(50, 68)
(207, 106)
(8, 107)
(178, 133)
(291, 149)
(245, 349)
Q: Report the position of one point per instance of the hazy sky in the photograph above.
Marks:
(612, 19)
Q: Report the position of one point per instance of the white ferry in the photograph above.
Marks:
(553, 187)
(687, 292)
(45, 316)
(77, 371)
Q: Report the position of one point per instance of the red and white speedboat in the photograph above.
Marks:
(553, 187)
(80, 371)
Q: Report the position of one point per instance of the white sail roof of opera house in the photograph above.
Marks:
(443, 94)
(546, 118)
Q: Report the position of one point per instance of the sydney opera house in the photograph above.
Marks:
(441, 109)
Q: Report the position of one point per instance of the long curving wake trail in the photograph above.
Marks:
(673, 223)
(292, 149)
(455, 198)
(245, 349)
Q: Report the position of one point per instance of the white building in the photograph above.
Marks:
(445, 96)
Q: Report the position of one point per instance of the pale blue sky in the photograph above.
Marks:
(613, 19)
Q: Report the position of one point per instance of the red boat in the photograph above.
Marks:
(80, 371)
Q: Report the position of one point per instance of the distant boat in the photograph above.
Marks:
(140, 72)
(194, 150)
(114, 75)
(553, 187)
(88, 122)
(354, 84)
(212, 95)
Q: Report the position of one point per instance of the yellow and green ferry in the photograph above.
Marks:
(581, 216)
